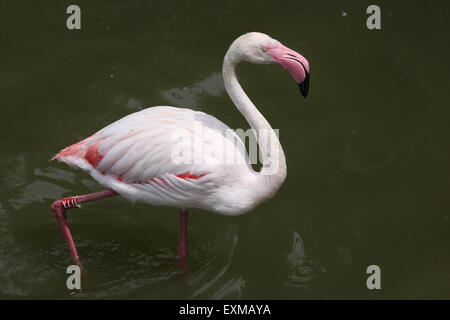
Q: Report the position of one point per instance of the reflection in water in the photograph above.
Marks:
(301, 271)
(132, 103)
(38, 191)
(55, 173)
(191, 96)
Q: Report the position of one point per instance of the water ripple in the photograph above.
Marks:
(151, 271)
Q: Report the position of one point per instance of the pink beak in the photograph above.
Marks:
(293, 62)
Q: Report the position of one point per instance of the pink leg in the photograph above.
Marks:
(59, 210)
(183, 236)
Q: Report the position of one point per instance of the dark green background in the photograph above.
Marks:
(367, 151)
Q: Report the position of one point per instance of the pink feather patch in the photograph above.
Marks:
(93, 156)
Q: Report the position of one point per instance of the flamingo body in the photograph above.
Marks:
(134, 157)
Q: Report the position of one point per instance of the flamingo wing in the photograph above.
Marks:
(135, 156)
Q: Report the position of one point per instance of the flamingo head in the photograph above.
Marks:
(259, 48)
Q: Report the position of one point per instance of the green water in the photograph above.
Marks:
(367, 151)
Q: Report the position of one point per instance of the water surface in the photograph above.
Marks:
(367, 151)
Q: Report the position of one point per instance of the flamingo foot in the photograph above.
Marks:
(59, 208)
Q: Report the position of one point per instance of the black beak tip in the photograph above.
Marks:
(304, 86)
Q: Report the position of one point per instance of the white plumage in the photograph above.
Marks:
(137, 160)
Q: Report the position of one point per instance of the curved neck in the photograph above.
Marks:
(273, 171)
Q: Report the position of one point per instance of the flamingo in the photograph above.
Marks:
(134, 156)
